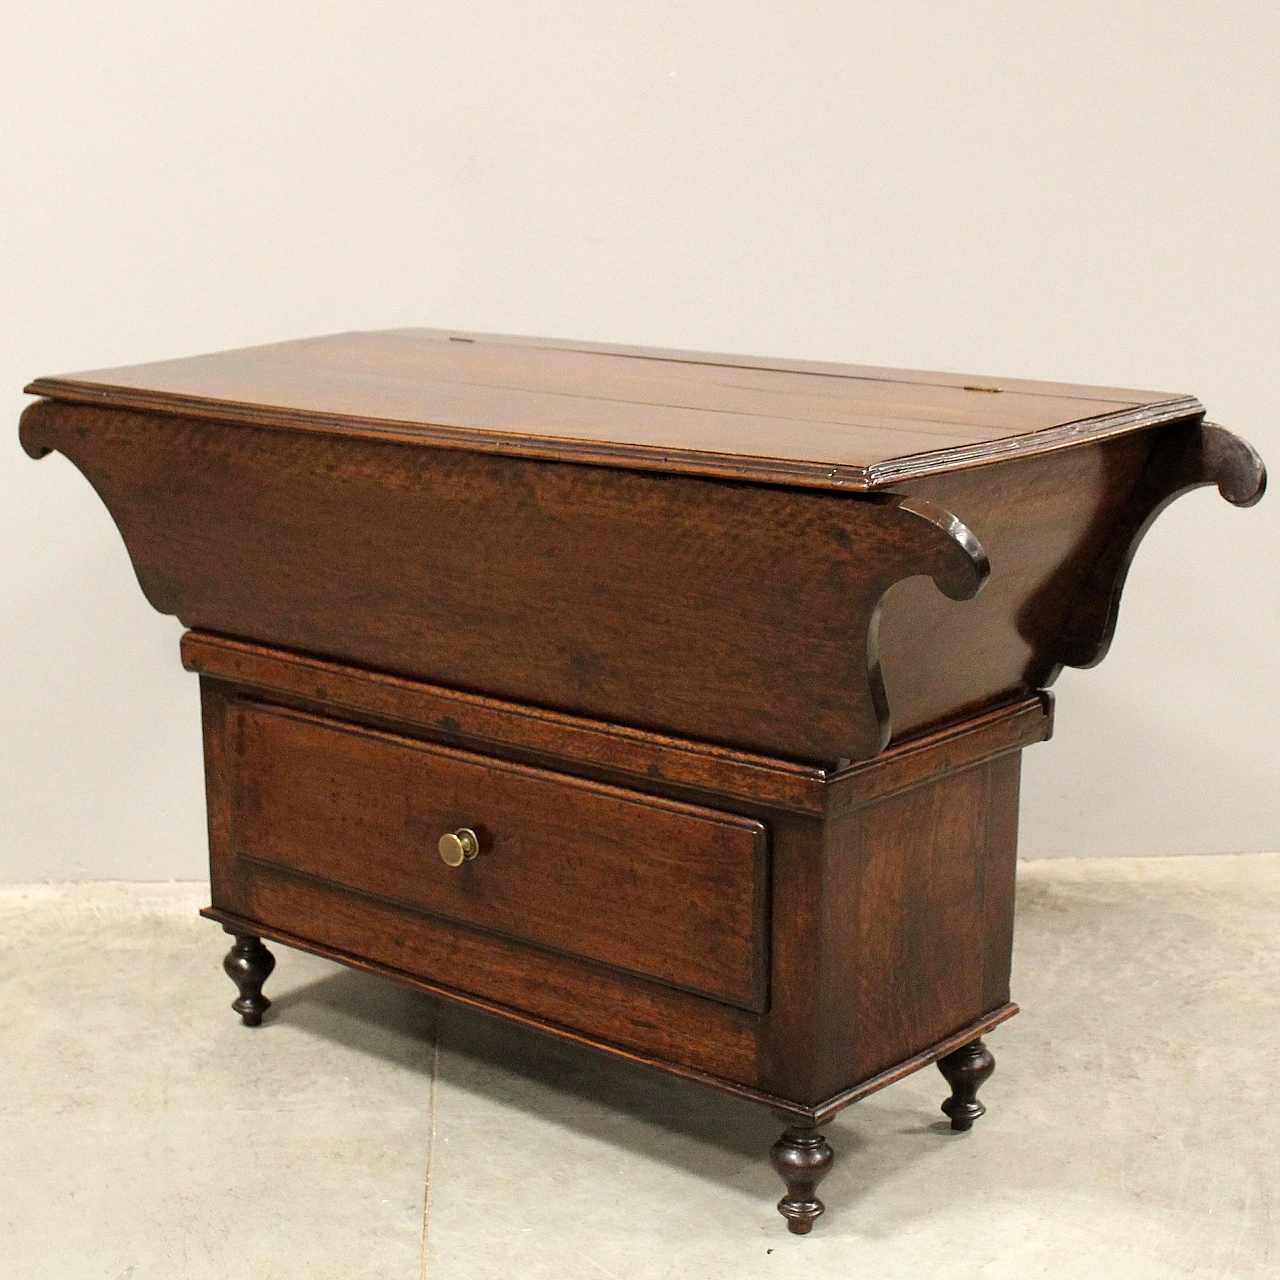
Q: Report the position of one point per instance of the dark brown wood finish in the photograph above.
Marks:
(369, 552)
(1062, 530)
(836, 426)
(611, 752)
(812, 1043)
(655, 601)
(295, 907)
(832, 1106)
(808, 1115)
(571, 865)
(802, 1157)
(966, 1070)
(723, 748)
(249, 964)
(1183, 459)
(912, 929)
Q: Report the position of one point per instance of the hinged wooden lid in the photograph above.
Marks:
(775, 421)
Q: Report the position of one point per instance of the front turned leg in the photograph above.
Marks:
(248, 965)
(966, 1071)
(802, 1158)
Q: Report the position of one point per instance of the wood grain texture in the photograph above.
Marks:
(670, 1025)
(832, 426)
(545, 988)
(571, 865)
(300, 808)
(920, 860)
(914, 929)
(999, 877)
(657, 603)
(833, 1105)
(1060, 532)
(610, 753)
(705, 753)
(932, 756)
(660, 602)
(783, 1106)
(224, 873)
(1182, 459)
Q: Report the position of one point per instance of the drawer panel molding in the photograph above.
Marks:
(666, 890)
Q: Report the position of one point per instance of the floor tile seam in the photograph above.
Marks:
(431, 1140)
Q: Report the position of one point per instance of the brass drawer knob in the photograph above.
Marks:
(457, 846)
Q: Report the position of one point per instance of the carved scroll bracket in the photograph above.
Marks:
(944, 549)
(960, 565)
(33, 430)
(1203, 453)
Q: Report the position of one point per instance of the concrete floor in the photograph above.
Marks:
(365, 1132)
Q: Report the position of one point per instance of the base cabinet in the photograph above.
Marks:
(797, 936)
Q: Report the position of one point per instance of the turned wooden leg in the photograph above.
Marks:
(802, 1159)
(248, 965)
(966, 1071)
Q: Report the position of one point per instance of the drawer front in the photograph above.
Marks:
(671, 891)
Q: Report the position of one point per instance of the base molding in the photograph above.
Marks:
(818, 1114)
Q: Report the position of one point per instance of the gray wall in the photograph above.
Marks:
(1082, 192)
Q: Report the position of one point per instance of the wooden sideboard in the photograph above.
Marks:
(669, 702)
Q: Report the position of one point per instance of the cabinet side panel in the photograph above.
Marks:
(917, 919)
